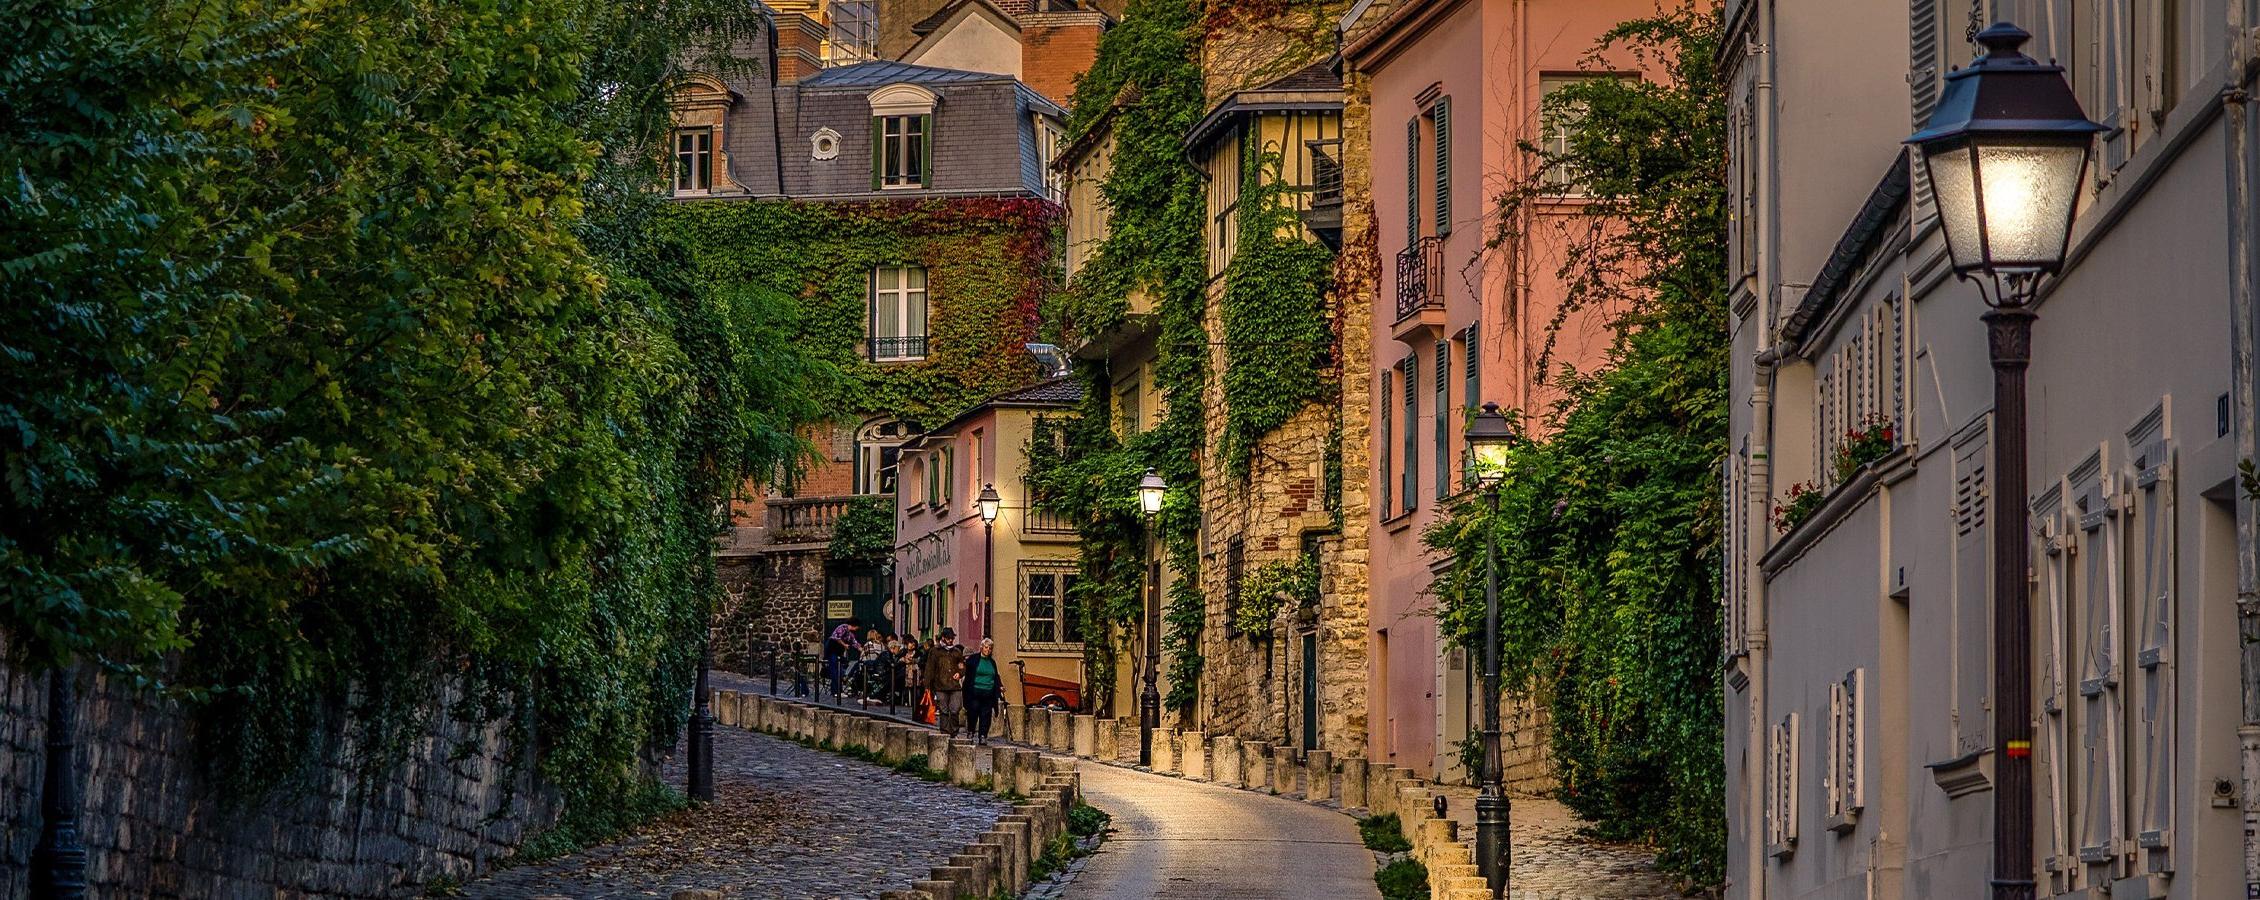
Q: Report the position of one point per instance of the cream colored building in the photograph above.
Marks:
(1858, 645)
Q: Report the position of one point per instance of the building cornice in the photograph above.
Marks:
(1398, 30)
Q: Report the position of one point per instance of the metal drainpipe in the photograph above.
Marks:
(1761, 435)
(2244, 293)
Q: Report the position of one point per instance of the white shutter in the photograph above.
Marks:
(1973, 672)
(1839, 712)
(2153, 581)
(2053, 563)
(2099, 722)
(1853, 732)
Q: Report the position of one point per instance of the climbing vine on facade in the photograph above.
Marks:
(1607, 529)
(1278, 344)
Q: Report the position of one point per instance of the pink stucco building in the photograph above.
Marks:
(1455, 88)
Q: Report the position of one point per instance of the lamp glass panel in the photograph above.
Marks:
(1953, 187)
(2030, 193)
(988, 510)
(1149, 499)
(1489, 460)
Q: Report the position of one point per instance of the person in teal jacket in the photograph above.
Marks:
(984, 689)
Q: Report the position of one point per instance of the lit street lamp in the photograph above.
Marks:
(990, 504)
(2007, 152)
(1151, 489)
(1489, 439)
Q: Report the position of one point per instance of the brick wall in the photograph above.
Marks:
(1052, 57)
(155, 827)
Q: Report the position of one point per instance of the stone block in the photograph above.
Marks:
(959, 879)
(1027, 771)
(1016, 724)
(1085, 739)
(1020, 833)
(1437, 833)
(1192, 755)
(1224, 761)
(937, 890)
(726, 708)
(898, 743)
(1284, 766)
(1318, 775)
(937, 750)
(1126, 741)
(1109, 741)
(1354, 776)
(1059, 730)
(1255, 765)
(981, 880)
(961, 766)
(1004, 768)
(695, 894)
(1165, 751)
(1012, 859)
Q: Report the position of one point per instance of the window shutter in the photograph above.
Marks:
(1973, 672)
(1923, 73)
(878, 152)
(926, 151)
(1388, 440)
(2154, 661)
(1474, 374)
(1443, 114)
(1443, 425)
(1412, 182)
(1411, 473)
(2052, 776)
(2100, 711)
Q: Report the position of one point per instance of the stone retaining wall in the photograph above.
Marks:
(152, 822)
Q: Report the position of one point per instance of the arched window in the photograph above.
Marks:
(902, 137)
(878, 454)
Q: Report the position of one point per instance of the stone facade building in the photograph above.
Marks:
(1859, 643)
(1450, 89)
(864, 133)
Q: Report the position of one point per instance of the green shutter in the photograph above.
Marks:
(926, 143)
(878, 151)
(1443, 114)
(1412, 182)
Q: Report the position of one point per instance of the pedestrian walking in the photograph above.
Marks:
(842, 649)
(984, 689)
(945, 678)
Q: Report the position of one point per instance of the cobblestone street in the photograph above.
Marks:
(788, 823)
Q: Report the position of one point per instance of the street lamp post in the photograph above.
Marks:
(1489, 437)
(1151, 489)
(2007, 153)
(701, 739)
(990, 505)
(58, 864)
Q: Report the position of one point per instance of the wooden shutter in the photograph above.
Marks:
(1923, 74)
(1442, 113)
(2052, 750)
(1474, 368)
(2110, 72)
(1412, 182)
(1781, 794)
(1388, 441)
(1973, 672)
(1410, 490)
(878, 152)
(2097, 600)
(2152, 532)
(926, 151)
(1443, 425)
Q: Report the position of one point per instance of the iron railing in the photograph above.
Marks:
(1420, 277)
(885, 349)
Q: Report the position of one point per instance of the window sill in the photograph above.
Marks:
(1844, 823)
(902, 187)
(1050, 650)
(1400, 521)
(898, 360)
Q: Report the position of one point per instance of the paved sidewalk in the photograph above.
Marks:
(1552, 861)
(788, 823)
(1187, 840)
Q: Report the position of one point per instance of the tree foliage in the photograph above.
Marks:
(1607, 530)
(342, 365)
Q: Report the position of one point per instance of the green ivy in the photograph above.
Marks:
(343, 368)
(987, 266)
(1607, 532)
(865, 532)
(1269, 589)
(1277, 340)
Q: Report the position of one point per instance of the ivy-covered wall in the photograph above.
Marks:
(988, 264)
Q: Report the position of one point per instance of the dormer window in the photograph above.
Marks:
(694, 160)
(902, 137)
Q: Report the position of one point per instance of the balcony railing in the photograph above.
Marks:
(805, 520)
(1044, 521)
(892, 349)
(1420, 277)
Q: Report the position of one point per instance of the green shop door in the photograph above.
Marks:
(858, 591)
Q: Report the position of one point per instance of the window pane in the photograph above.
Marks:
(917, 277)
(914, 157)
(915, 314)
(889, 278)
(1071, 624)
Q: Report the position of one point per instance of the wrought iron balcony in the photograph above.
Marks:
(898, 349)
(1420, 277)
